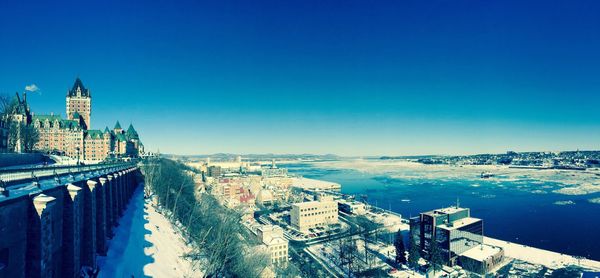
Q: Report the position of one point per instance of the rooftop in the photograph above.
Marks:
(305, 183)
(459, 223)
(450, 210)
(309, 204)
(442, 211)
(79, 85)
(481, 252)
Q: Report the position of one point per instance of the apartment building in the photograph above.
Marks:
(308, 215)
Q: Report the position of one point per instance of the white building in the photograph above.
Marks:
(307, 215)
(277, 246)
(352, 207)
(265, 197)
(315, 185)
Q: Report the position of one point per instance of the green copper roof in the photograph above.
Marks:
(131, 133)
(118, 125)
(47, 117)
(120, 137)
(52, 119)
(94, 134)
(106, 130)
(70, 123)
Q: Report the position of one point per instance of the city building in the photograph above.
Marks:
(458, 235)
(302, 183)
(214, 171)
(273, 171)
(277, 246)
(18, 117)
(352, 207)
(308, 215)
(59, 135)
(265, 197)
(482, 259)
(72, 136)
(79, 104)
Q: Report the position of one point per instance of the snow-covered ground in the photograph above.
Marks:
(546, 258)
(145, 245)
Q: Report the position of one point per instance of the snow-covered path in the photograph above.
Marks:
(144, 245)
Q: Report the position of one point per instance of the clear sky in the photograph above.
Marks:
(344, 77)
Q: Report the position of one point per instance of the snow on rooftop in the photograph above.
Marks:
(305, 183)
(534, 255)
(481, 252)
(459, 223)
(449, 210)
(306, 204)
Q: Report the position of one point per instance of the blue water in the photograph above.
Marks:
(510, 210)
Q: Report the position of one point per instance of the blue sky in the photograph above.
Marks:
(344, 77)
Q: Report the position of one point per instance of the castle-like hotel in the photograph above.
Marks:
(73, 136)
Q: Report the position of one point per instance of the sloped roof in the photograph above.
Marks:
(131, 133)
(118, 125)
(79, 84)
(94, 134)
(120, 137)
(70, 123)
(47, 117)
(52, 119)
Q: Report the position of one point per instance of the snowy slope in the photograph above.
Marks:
(145, 245)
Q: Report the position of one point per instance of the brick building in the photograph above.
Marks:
(73, 137)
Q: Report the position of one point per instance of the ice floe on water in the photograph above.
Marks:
(594, 201)
(581, 189)
(566, 182)
(564, 203)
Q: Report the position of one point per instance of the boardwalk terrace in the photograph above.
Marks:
(56, 225)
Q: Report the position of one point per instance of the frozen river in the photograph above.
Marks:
(549, 210)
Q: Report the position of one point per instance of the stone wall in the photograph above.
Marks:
(14, 159)
(56, 230)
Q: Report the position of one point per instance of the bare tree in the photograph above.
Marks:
(368, 229)
(221, 246)
(7, 106)
(30, 137)
(347, 254)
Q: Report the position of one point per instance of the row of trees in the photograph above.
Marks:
(434, 254)
(21, 135)
(223, 248)
(348, 255)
